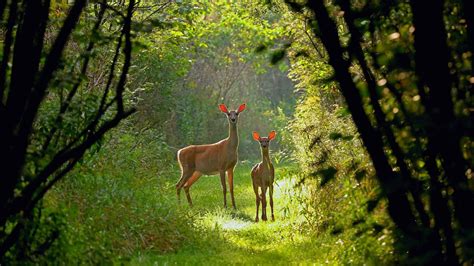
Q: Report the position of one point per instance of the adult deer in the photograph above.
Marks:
(263, 175)
(211, 159)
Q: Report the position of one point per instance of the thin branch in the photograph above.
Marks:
(233, 80)
(74, 155)
(65, 105)
(53, 58)
(7, 47)
(25, 201)
(128, 56)
(311, 40)
(112, 70)
(116, 11)
(162, 7)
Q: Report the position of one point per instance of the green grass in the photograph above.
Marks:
(124, 209)
(137, 219)
(223, 236)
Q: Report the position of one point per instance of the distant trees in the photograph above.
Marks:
(407, 81)
(63, 72)
(191, 65)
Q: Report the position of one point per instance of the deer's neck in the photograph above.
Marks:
(265, 157)
(233, 136)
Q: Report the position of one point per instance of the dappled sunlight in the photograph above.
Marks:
(238, 228)
(284, 188)
(234, 225)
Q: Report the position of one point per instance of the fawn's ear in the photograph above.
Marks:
(241, 108)
(223, 108)
(272, 135)
(256, 136)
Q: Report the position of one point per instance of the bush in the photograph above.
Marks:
(114, 201)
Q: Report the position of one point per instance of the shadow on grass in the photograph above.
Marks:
(238, 214)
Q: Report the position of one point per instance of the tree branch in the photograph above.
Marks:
(8, 41)
(65, 105)
(398, 204)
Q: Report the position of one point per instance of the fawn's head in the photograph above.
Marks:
(264, 141)
(232, 116)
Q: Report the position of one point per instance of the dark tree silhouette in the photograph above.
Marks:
(426, 177)
(32, 65)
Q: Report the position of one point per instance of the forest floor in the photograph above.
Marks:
(224, 236)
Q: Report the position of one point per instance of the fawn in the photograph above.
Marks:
(263, 175)
(211, 159)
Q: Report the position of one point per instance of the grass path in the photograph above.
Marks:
(223, 236)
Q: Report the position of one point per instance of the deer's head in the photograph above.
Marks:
(264, 141)
(232, 116)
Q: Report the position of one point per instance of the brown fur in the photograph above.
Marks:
(263, 176)
(211, 159)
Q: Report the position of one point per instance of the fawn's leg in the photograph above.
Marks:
(264, 203)
(188, 184)
(230, 179)
(257, 199)
(224, 187)
(271, 200)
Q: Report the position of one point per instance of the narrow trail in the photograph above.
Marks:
(223, 236)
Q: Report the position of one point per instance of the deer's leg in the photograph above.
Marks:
(257, 199)
(230, 179)
(264, 202)
(224, 187)
(271, 200)
(185, 174)
(189, 183)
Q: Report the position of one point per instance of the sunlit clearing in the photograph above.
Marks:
(284, 188)
(222, 220)
(234, 225)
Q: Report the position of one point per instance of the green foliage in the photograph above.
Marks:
(60, 92)
(207, 58)
(199, 55)
(333, 162)
(118, 203)
(41, 240)
(335, 178)
(401, 75)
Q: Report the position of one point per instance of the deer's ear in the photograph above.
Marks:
(256, 136)
(272, 135)
(241, 108)
(223, 108)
